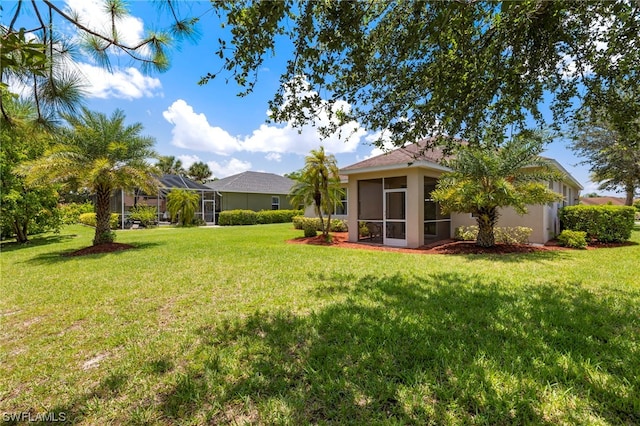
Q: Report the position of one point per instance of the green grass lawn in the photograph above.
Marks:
(234, 325)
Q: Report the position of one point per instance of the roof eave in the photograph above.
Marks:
(398, 166)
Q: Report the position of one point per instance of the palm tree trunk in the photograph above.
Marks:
(318, 205)
(487, 219)
(103, 215)
(328, 229)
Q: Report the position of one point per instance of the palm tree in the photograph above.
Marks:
(199, 172)
(182, 205)
(101, 154)
(319, 185)
(485, 178)
(169, 165)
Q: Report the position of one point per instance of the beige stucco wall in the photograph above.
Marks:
(534, 219)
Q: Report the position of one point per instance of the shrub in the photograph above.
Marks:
(636, 204)
(90, 219)
(277, 216)
(503, 234)
(146, 215)
(603, 223)
(466, 233)
(301, 222)
(573, 239)
(513, 235)
(71, 212)
(310, 231)
(237, 217)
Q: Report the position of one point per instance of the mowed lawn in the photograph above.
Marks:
(235, 325)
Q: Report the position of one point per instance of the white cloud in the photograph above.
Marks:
(231, 167)
(126, 83)
(273, 156)
(219, 170)
(188, 160)
(193, 131)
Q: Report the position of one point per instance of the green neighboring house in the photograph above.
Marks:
(252, 191)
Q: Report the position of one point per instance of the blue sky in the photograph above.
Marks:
(211, 123)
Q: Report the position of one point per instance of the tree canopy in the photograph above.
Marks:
(415, 68)
(199, 171)
(408, 69)
(24, 208)
(170, 165)
(606, 133)
(101, 154)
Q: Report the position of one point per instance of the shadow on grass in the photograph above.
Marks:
(441, 349)
(63, 256)
(537, 256)
(7, 246)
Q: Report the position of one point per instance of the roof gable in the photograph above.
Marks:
(253, 182)
(418, 152)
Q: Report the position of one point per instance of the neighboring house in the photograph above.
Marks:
(601, 201)
(389, 200)
(252, 191)
(122, 202)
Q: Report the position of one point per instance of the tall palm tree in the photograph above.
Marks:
(199, 172)
(170, 165)
(319, 185)
(101, 154)
(486, 177)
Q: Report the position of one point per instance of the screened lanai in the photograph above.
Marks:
(123, 201)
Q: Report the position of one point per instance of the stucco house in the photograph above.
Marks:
(252, 191)
(388, 197)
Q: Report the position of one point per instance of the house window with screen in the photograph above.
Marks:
(275, 203)
(341, 207)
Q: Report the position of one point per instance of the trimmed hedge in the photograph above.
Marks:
(606, 224)
(90, 220)
(277, 216)
(303, 222)
(250, 217)
(573, 239)
(503, 235)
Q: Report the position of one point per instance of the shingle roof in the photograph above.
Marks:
(253, 182)
(410, 154)
(598, 201)
(175, 181)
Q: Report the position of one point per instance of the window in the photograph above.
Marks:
(341, 207)
(275, 203)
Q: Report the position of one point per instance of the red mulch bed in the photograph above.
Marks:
(340, 239)
(101, 248)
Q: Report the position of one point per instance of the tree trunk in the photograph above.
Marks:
(630, 190)
(487, 219)
(21, 232)
(103, 215)
(318, 204)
